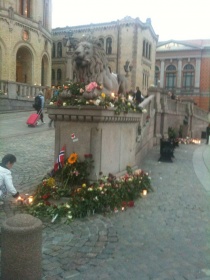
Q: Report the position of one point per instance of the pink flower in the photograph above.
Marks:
(91, 86)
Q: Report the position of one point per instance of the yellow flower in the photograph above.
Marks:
(103, 95)
(72, 158)
(51, 182)
(84, 185)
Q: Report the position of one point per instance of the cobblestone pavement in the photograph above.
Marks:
(166, 236)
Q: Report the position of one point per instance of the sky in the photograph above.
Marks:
(178, 20)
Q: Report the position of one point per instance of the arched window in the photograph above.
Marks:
(157, 75)
(101, 40)
(109, 45)
(59, 75)
(59, 49)
(53, 50)
(171, 77)
(25, 6)
(188, 76)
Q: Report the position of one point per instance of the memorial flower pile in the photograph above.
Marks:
(69, 194)
(79, 94)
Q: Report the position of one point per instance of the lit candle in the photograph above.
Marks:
(130, 98)
(19, 200)
(30, 199)
(112, 94)
(144, 192)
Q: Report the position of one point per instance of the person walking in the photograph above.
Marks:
(207, 134)
(6, 183)
(39, 105)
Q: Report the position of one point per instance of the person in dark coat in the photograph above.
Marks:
(138, 96)
(207, 134)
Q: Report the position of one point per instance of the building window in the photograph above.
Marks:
(145, 80)
(149, 52)
(109, 45)
(101, 40)
(188, 76)
(59, 75)
(157, 75)
(146, 52)
(171, 77)
(53, 74)
(59, 49)
(25, 8)
(53, 50)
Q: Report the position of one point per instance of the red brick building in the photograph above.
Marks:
(183, 67)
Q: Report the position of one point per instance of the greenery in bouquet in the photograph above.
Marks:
(82, 198)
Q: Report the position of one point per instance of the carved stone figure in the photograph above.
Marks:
(90, 64)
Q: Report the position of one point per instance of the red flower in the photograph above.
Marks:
(46, 196)
(126, 177)
(130, 203)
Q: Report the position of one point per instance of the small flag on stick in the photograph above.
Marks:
(60, 160)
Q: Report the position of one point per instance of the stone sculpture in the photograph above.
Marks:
(90, 64)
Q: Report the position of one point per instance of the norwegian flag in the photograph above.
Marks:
(60, 160)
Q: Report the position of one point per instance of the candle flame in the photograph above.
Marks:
(30, 199)
(144, 192)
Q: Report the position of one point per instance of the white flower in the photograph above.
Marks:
(97, 102)
(144, 111)
(64, 103)
(111, 104)
(51, 103)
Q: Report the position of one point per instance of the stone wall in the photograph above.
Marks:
(7, 104)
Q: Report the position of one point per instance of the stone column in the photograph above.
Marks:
(21, 248)
(179, 75)
(162, 72)
(197, 73)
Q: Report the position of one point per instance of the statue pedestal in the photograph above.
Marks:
(110, 138)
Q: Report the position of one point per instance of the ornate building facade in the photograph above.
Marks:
(25, 46)
(183, 67)
(130, 47)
